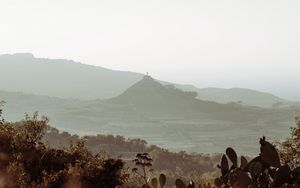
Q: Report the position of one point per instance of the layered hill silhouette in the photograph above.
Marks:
(242, 96)
(161, 114)
(61, 78)
(69, 79)
(151, 97)
(149, 94)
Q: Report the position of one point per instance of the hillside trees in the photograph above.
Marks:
(1, 119)
(290, 148)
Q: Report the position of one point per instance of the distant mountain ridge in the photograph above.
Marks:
(61, 78)
(241, 95)
(69, 79)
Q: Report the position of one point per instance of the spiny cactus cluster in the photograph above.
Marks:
(144, 163)
(178, 183)
(263, 171)
(161, 181)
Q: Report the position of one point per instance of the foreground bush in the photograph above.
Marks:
(290, 148)
(27, 162)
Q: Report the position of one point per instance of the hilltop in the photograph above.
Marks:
(70, 79)
(149, 94)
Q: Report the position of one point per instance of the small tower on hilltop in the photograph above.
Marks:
(147, 76)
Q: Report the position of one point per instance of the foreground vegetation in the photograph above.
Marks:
(174, 165)
(27, 162)
(32, 154)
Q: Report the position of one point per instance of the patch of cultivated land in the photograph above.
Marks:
(203, 137)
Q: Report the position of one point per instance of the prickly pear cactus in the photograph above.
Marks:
(244, 162)
(154, 183)
(264, 171)
(269, 154)
(179, 184)
(162, 180)
(232, 156)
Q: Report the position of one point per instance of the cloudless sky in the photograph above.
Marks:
(208, 43)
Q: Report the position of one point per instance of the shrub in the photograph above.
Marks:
(27, 162)
(290, 148)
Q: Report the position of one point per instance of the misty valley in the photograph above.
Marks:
(129, 115)
(159, 113)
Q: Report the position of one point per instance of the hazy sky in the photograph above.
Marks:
(225, 43)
